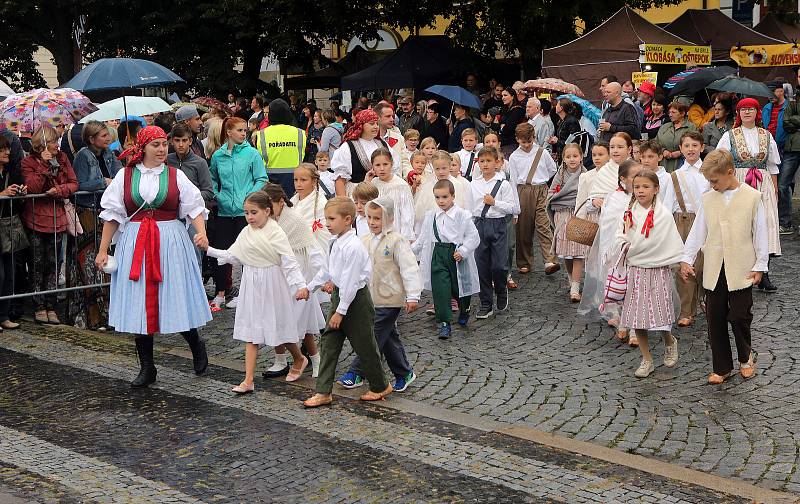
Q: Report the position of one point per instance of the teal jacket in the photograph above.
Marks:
(234, 175)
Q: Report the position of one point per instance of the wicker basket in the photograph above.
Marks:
(581, 230)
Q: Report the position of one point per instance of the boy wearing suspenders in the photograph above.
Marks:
(493, 199)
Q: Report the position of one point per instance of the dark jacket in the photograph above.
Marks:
(438, 130)
(411, 121)
(455, 136)
(623, 118)
(196, 169)
(16, 155)
(47, 215)
(508, 124)
(90, 176)
(791, 126)
(565, 128)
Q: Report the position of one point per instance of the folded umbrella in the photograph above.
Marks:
(136, 105)
(456, 95)
(741, 86)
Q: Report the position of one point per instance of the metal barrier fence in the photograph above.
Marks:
(73, 250)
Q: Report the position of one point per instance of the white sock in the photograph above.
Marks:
(280, 362)
(219, 301)
(574, 287)
(314, 365)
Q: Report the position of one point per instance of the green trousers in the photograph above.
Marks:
(358, 328)
(444, 282)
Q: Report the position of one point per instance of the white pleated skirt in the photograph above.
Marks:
(265, 311)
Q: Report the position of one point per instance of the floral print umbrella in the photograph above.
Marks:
(557, 85)
(213, 103)
(24, 112)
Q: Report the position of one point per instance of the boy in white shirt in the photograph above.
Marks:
(396, 284)
(530, 167)
(689, 186)
(735, 261)
(363, 193)
(469, 154)
(651, 153)
(493, 200)
(326, 181)
(411, 136)
(346, 277)
(446, 247)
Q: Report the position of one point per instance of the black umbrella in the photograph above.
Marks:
(741, 86)
(691, 81)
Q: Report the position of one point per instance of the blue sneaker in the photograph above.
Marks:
(350, 380)
(402, 383)
(463, 319)
(444, 331)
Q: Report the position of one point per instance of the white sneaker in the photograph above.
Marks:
(671, 354)
(232, 303)
(645, 368)
(62, 276)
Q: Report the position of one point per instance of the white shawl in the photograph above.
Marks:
(662, 247)
(606, 180)
(261, 247)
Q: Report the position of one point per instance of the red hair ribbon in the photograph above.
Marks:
(557, 188)
(316, 226)
(649, 223)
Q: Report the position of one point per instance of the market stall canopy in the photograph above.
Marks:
(714, 28)
(611, 48)
(773, 27)
(356, 60)
(419, 62)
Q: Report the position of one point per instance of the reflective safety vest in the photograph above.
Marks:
(282, 146)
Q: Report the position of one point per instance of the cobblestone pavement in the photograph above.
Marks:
(541, 365)
(71, 430)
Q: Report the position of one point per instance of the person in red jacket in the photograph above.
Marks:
(46, 171)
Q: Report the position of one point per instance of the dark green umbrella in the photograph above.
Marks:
(741, 86)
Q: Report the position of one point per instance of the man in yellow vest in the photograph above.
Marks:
(281, 144)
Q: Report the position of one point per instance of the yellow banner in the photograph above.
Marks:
(661, 54)
(638, 77)
(766, 55)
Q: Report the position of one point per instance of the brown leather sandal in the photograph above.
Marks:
(377, 396)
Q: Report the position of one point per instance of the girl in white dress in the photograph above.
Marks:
(393, 187)
(309, 202)
(310, 258)
(265, 314)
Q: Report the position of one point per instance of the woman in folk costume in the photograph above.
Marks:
(157, 285)
(351, 162)
(271, 280)
(561, 204)
(653, 245)
(756, 158)
(310, 258)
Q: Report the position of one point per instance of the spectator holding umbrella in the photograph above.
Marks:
(511, 114)
(435, 126)
(722, 122)
(462, 122)
(669, 134)
(568, 125)
(46, 171)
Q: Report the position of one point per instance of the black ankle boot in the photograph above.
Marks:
(198, 347)
(766, 285)
(147, 371)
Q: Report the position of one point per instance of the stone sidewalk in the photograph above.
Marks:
(541, 365)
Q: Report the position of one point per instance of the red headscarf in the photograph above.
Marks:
(362, 118)
(746, 103)
(144, 137)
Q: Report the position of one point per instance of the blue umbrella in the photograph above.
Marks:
(589, 111)
(122, 73)
(456, 94)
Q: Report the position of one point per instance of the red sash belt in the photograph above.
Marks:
(148, 243)
(754, 177)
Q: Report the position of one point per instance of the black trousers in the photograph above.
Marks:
(491, 257)
(224, 233)
(725, 307)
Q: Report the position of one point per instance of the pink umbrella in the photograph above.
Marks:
(26, 111)
(557, 85)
